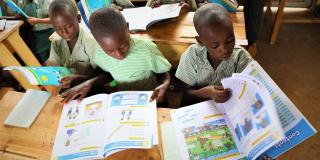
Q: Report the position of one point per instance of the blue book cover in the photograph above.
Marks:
(16, 8)
(83, 14)
(42, 75)
(94, 5)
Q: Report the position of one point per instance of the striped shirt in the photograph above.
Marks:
(195, 69)
(137, 70)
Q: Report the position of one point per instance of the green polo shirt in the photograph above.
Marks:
(137, 71)
(195, 69)
(81, 59)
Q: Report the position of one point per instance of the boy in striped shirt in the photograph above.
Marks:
(215, 57)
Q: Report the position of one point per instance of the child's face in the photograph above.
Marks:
(66, 25)
(116, 45)
(218, 40)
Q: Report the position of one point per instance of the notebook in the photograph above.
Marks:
(27, 109)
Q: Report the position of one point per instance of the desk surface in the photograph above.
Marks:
(10, 27)
(181, 30)
(37, 141)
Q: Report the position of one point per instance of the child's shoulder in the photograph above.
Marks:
(195, 51)
(240, 52)
(143, 41)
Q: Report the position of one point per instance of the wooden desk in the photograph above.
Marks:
(37, 141)
(10, 42)
(175, 36)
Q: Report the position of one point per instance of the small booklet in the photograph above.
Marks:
(103, 124)
(15, 8)
(257, 120)
(142, 17)
(39, 75)
(27, 109)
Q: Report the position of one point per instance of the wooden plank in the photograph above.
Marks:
(277, 21)
(7, 59)
(11, 26)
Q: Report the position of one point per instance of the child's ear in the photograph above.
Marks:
(198, 40)
(79, 18)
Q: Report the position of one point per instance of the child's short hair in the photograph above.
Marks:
(208, 15)
(107, 21)
(63, 5)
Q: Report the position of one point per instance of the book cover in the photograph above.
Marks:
(42, 75)
(16, 8)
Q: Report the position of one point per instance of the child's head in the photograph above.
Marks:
(65, 19)
(110, 29)
(214, 26)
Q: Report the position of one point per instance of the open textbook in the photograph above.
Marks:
(38, 75)
(142, 17)
(103, 124)
(257, 120)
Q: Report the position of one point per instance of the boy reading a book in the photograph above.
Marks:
(75, 47)
(215, 57)
(134, 63)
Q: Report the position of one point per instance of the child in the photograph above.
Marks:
(37, 33)
(75, 47)
(134, 63)
(203, 65)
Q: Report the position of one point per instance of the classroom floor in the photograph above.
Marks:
(294, 64)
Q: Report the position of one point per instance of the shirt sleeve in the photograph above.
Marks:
(90, 48)
(243, 60)
(186, 71)
(159, 64)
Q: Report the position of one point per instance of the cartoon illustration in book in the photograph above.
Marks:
(258, 104)
(209, 140)
(93, 109)
(238, 131)
(129, 100)
(77, 137)
(262, 120)
(73, 112)
(126, 114)
(247, 126)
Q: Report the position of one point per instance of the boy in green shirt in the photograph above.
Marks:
(215, 57)
(134, 63)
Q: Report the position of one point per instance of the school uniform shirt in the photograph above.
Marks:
(195, 69)
(81, 60)
(137, 70)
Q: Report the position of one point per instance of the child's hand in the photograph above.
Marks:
(79, 91)
(156, 4)
(33, 20)
(219, 94)
(66, 82)
(184, 7)
(158, 93)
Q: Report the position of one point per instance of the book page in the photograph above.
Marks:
(202, 133)
(165, 11)
(131, 122)
(81, 129)
(252, 115)
(137, 18)
(296, 126)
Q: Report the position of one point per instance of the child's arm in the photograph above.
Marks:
(80, 91)
(159, 92)
(33, 20)
(217, 93)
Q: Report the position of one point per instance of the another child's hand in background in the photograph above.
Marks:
(33, 20)
(219, 94)
(77, 92)
(185, 7)
(158, 93)
(116, 7)
(156, 4)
